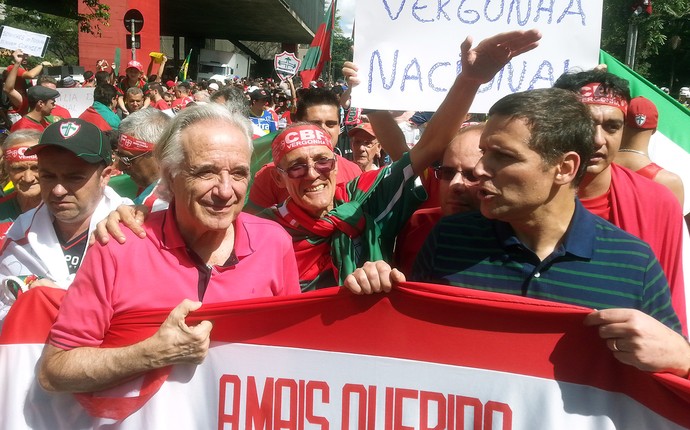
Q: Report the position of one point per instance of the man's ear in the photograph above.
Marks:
(106, 173)
(567, 168)
(278, 178)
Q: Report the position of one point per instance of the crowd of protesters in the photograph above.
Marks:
(350, 197)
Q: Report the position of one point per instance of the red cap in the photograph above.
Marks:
(136, 65)
(365, 129)
(642, 114)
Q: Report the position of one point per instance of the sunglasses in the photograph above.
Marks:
(323, 166)
(128, 161)
(445, 173)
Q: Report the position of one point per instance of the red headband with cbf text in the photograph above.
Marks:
(132, 144)
(17, 154)
(595, 94)
(298, 137)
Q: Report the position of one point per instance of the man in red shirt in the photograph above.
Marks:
(58, 111)
(637, 205)
(135, 78)
(457, 193)
(202, 249)
(41, 102)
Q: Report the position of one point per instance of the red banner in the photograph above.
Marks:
(423, 357)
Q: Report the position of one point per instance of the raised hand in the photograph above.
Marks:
(482, 62)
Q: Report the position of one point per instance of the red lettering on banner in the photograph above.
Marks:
(476, 406)
(426, 397)
(361, 392)
(388, 409)
(371, 408)
(232, 418)
(501, 409)
(290, 404)
(400, 395)
(313, 386)
(300, 408)
(283, 385)
(259, 414)
(451, 411)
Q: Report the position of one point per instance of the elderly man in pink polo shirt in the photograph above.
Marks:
(202, 249)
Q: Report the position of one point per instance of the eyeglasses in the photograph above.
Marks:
(365, 143)
(446, 173)
(323, 166)
(127, 161)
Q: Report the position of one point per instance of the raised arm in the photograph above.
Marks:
(479, 65)
(161, 69)
(9, 87)
(33, 73)
(389, 135)
(87, 369)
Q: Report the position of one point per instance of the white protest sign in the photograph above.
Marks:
(75, 100)
(408, 51)
(31, 43)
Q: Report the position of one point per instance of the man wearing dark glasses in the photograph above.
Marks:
(457, 193)
(139, 133)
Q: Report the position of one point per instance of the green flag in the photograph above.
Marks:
(182, 76)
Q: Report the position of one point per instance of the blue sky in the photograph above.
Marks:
(346, 10)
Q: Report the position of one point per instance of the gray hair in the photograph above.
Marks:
(169, 151)
(234, 100)
(145, 124)
(23, 135)
(134, 91)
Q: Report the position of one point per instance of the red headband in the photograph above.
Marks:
(297, 137)
(594, 94)
(131, 144)
(16, 154)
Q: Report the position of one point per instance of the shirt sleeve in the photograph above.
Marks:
(86, 311)
(657, 296)
(396, 197)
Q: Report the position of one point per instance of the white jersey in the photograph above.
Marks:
(32, 246)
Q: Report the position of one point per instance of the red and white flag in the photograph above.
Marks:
(421, 357)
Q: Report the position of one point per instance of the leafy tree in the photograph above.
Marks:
(663, 45)
(63, 29)
(63, 34)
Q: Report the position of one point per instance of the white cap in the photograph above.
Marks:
(213, 86)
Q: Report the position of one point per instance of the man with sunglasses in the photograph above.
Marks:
(337, 227)
(317, 106)
(457, 194)
(46, 245)
(139, 133)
